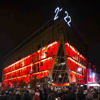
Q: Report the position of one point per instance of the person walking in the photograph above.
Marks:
(10, 96)
(95, 94)
(31, 93)
(26, 96)
(89, 97)
(41, 95)
(64, 97)
(36, 97)
(17, 95)
(80, 95)
(51, 96)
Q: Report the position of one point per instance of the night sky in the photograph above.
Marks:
(20, 18)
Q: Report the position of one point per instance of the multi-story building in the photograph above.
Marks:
(55, 53)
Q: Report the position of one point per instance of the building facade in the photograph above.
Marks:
(92, 76)
(54, 54)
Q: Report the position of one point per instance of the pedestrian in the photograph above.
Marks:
(56, 93)
(51, 96)
(85, 93)
(45, 94)
(61, 93)
(95, 94)
(31, 93)
(26, 96)
(3, 92)
(64, 97)
(80, 95)
(41, 95)
(36, 97)
(10, 96)
(17, 95)
(89, 97)
(99, 96)
(71, 95)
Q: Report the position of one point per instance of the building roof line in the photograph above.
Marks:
(36, 32)
(29, 37)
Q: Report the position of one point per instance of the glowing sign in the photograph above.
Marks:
(57, 10)
(67, 18)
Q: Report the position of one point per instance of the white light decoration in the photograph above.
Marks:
(81, 85)
(43, 56)
(93, 76)
(94, 85)
(23, 63)
(79, 69)
(57, 10)
(28, 86)
(67, 17)
(62, 63)
(49, 45)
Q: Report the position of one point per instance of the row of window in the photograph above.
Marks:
(27, 78)
(38, 67)
(75, 55)
(39, 55)
(75, 67)
(77, 78)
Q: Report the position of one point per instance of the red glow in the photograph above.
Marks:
(64, 84)
(41, 62)
(37, 63)
(76, 61)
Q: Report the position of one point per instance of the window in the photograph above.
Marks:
(47, 66)
(82, 62)
(38, 69)
(34, 69)
(38, 64)
(18, 73)
(78, 58)
(41, 63)
(52, 52)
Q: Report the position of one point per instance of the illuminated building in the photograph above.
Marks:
(54, 54)
(92, 76)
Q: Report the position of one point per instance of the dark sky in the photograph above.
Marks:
(20, 18)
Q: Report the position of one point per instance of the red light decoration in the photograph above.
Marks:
(75, 62)
(38, 63)
(41, 62)
(63, 84)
